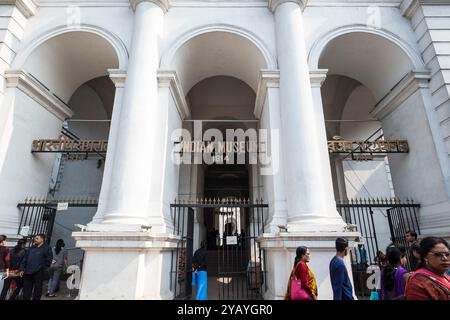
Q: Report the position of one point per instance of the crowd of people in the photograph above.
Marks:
(419, 271)
(22, 269)
(428, 277)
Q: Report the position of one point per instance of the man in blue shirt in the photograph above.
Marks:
(342, 287)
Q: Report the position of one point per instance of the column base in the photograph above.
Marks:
(280, 254)
(126, 265)
(312, 223)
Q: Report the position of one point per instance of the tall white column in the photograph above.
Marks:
(310, 206)
(130, 184)
(118, 78)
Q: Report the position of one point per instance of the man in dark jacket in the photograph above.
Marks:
(37, 259)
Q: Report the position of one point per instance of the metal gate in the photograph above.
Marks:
(401, 216)
(39, 214)
(235, 262)
(401, 220)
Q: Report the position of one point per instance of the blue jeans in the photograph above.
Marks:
(200, 279)
(55, 276)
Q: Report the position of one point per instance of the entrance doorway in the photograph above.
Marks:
(233, 222)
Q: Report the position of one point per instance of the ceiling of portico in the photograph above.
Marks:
(67, 61)
(218, 54)
(376, 62)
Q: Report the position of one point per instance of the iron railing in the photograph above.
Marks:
(236, 261)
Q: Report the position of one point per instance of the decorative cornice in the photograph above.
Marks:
(163, 4)
(273, 4)
(409, 7)
(118, 77)
(271, 79)
(169, 79)
(30, 86)
(412, 82)
(26, 7)
(318, 77)
(267, 79)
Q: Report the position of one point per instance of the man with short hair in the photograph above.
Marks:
(340, 281)
(410, 237)
(37, 259)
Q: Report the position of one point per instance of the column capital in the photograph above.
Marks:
(36, 91)
(118, 77)
(318, 77)
(412, 82)
(273, 4)
(163, 4)
(26, 7)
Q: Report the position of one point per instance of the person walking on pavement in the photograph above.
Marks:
(56, 269)
(340, 281)
(36, 261)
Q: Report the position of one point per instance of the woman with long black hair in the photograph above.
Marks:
(394, 275)
(302, 273)
(56, 269)
(431, 282)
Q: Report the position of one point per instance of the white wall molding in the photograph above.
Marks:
(267, 79)
(412, 82)
(409, 7)
(22, 80)
(163, 4)
(318, 77)
(26, 7)
(118, 77)
(273, 4)
(169, 79)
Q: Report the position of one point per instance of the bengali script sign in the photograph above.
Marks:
(340, 145)
(66, 145)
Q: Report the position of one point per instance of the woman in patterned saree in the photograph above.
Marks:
(430, 282)
(302, 272)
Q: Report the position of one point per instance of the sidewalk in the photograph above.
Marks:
(63, 294)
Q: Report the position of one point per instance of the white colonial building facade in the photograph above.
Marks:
(136, 72)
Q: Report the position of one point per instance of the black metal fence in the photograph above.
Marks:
(235, 261)
(38, 215)
(400, 216)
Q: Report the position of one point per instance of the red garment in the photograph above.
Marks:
(422, 285)
(301, 272)
(4, 258)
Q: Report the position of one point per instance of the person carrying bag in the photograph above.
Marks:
(302, 284)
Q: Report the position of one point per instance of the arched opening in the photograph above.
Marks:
(220, 85)
(71, 68)
(67, 61)
(364, 71)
